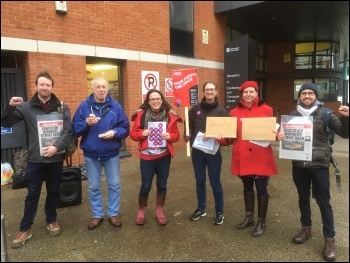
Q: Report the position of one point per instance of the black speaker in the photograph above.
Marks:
(70, 188)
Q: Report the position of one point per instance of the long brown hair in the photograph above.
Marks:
(165, 105)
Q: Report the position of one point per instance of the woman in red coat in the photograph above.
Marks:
(251, 162)
(153, 125)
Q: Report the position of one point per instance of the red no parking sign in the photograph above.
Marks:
(150, 80)
(169, 92)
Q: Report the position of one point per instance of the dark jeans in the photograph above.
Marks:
(201, 161)
(319, 180)
(260, 184)
(161, 168)
(35, 174)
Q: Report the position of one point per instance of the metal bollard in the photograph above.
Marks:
(4, 255)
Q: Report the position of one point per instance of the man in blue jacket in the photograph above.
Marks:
(102, 124)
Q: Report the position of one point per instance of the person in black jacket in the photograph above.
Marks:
(208, 107)
(315, 173)
(46, 154)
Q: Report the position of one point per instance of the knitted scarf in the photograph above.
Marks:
(152, 116)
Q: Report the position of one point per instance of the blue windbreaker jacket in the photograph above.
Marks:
(112, 117)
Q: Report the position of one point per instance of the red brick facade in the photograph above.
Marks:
(137, 26)
(132, 26)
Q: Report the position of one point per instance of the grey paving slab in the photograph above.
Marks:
(182, 239)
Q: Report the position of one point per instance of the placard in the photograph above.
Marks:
(155, 139)
(227, 126)
(185, 87)
(259, 129)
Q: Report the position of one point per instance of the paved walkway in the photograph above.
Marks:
(182, 239)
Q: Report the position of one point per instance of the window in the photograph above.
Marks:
(110, 72)
(232, 34)
(320, 55)
(261, 57)
(329, 89)
(181, 28)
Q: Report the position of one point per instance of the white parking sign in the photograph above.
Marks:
(150, 80)
(169, 87)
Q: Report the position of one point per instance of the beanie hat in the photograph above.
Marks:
(310, 86)
(248, 84)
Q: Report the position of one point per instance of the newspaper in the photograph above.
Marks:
(297, 144)
(50, 127)
(210, 146)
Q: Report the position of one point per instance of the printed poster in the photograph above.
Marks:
(157, 128)
(185, 87)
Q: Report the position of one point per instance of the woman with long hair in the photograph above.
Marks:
(155, 128)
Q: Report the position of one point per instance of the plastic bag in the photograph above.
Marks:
(6, 173)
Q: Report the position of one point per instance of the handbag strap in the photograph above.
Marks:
(69, 161)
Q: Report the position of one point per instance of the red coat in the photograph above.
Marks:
(249, 158)
(136, 132)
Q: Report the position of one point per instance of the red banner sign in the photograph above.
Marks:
(185, 86)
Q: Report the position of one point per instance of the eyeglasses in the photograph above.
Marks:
(311, 93)
(155, 99)
(209, 90)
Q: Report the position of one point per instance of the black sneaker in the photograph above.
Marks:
(197, 214)
(219, 218)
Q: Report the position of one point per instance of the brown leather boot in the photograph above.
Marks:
(329, 249)
(249, 202)
(160, 209)
(263, 202)
(303, 235)
(140, 219)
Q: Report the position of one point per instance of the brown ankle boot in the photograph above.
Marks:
(159, 209)
(303, 235)
(328, 250)
(160, 215)
(140, 219)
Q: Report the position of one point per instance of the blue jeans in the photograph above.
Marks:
(319, 180)
(35, 174)
(161, 168)
(201, 161)
(112, 172)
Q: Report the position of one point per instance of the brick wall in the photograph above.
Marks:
(139, 26)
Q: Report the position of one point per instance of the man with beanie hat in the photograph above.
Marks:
(309, 86)
(315, 173)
